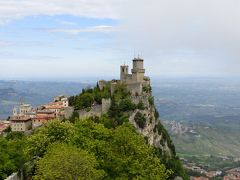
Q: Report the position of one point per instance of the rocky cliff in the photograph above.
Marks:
(151, 126)
(145, 118)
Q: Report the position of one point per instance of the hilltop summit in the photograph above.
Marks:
(129, 99)
(135, 81)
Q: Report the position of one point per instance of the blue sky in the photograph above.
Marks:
(41, 46)
(59, 39)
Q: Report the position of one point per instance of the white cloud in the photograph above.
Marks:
(94, 29)
(207, 27)
(174, 23)
(159, 29)
(6, 43)
(15, 9)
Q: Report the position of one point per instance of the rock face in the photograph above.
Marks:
(145, 119)
(150, 126)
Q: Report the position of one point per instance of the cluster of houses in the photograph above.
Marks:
(233, 174)
(226, 174)
(25, 117)
(4, 125)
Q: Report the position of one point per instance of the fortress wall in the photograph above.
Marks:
(113, 85)
(137, 99)
(140, 77)
(102, 84)
(106, 104)
(128, 78)
(68, 111)
(135, 88)
(14, 176)
(95, 111)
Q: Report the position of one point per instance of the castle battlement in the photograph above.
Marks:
(137, 72)
(134, 81)
(137, 79)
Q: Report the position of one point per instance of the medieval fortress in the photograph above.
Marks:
(25, 117)
(137, 79)
(134, 81)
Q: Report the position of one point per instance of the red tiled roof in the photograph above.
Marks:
(54, 107)
(20, 118)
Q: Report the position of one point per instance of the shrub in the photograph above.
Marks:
(151, 101)
(147, 89)
(140, 120)
(140, 105)
(127, 105)
(156, 114)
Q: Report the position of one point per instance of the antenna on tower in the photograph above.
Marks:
(140, 55)
(21, 101)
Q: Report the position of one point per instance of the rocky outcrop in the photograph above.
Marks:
(150, 122)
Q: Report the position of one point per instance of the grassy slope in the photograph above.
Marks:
(221, 138)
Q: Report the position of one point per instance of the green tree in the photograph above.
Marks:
(120, 152)
(131, 158)
(84, 100)
(11, 156)
(15, 136)
(54, 131)
(66, 162)
(71, 101)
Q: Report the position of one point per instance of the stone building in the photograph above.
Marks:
(20, 123)
(22, 110)
(58, 109)
(42, 117)
(135, 80)
(4, 125)
(62, 99)
(59, 104)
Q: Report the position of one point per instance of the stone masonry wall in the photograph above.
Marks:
(106, 104)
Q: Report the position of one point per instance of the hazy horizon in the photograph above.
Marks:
(93, 79)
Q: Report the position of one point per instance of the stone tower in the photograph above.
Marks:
(138, 71)
(15, 113)
(123, 72)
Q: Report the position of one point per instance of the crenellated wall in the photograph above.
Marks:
(96, 110)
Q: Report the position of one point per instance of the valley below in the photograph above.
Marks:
(203, 118)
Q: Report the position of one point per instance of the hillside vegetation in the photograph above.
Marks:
(106, 147)
(85, 149)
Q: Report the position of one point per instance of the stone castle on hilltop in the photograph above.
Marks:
(134, 81)
(25, 117)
